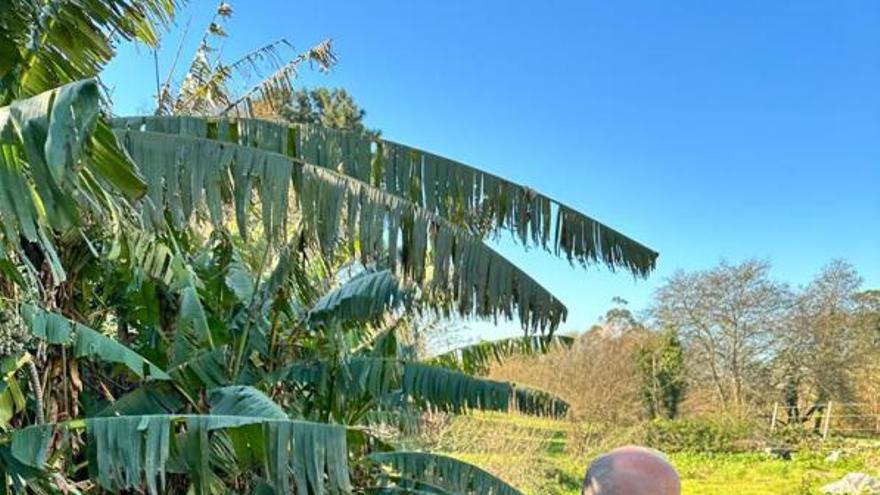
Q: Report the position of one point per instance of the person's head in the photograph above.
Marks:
(632, 471)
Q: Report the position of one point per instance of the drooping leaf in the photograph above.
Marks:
(366, 296)
(536, 402)
(62, 42)
(441, 388)
(439, 185)
(86, 342)
(336, 208)
(477, 358)
(30, 445)
(455, 391)
(126, 451)
(458, 392)
(54, 156)
(239, 400)
(445, 473)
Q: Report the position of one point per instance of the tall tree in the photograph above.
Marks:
(823, 343)
(334, 108)
(730, 318)
(662, 372)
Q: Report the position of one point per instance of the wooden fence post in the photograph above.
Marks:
(773, 418)
(827, 426)
(876, 419)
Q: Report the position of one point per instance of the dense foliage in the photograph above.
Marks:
(661, 366)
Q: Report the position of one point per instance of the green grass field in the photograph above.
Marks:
(544, 457)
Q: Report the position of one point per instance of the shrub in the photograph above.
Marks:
(695, 435)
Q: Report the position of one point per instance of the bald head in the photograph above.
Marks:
(632, 471)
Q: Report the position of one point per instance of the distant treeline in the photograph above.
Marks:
(729, 340)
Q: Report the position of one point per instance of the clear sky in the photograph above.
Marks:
(707, 130)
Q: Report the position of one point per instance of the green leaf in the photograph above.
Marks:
(366, 296)
(378, 226)
(126, 451)
(240, 280)
(158, 397)
(192, 330)
(86, 342)
(476, 359)
(203, 369)
(54, 165)
(458, 392)
(239, 400)
(440, 472)
(439, 185)
(438, 387)
(30, 445)
(69, 41)
(7, 408)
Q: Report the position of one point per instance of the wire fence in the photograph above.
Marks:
(831, 418)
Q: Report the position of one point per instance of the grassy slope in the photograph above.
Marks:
(546, 464)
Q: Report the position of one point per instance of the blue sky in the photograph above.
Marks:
(707, 130)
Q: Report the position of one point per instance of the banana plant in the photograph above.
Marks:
(345, 372)
(220, 304)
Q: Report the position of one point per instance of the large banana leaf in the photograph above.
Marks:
(127, 451)
(158, 397)
(366, 296)
(458, 392)
(420, 472)
(439, 185)
(184, 173)
(240, 400)
(86, 342)
(438, 387)
(476, 359)
(57, 162)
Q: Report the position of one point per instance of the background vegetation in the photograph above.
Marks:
(698, 375)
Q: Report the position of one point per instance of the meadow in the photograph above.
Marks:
(544, 456)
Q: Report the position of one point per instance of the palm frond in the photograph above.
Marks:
(476, 359)
(412, 469)
(482, 201)
(185, 172)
